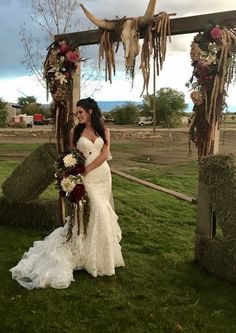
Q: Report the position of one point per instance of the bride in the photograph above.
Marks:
(51, 262)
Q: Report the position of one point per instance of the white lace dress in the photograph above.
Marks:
(51, 262)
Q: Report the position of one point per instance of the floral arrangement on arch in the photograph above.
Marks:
(59, 68)
(213, 60)
(69, 171)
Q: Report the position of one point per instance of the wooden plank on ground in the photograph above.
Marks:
(178, 195)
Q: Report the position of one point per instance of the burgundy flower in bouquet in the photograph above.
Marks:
(77, 193)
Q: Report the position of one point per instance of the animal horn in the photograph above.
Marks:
(107, 25)
(146, 19)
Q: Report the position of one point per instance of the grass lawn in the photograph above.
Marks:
(13, 147)
(163, 163)
(159, 290)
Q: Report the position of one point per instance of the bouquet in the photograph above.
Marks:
(68, 174)
(69, 171)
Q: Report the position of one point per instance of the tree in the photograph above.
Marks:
(31, 109)
(53, 17)
(30, 106)
(144, 108)
(125, 114)
(170, 105)
(23, 101)
(3, 113)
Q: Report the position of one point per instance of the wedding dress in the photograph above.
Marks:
(51, 262)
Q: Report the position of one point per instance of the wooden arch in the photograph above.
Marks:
(179, 26)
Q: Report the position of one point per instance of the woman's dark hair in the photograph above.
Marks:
(96, 119)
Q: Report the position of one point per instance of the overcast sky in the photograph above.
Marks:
(14, 77)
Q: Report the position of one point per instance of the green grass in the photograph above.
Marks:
(182, 178)
(12, 147)
(160, 163)
(6, 168)
(140, 160)
(159, 288)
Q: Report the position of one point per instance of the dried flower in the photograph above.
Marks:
(195, 52)
(196, 97)
(61, 77)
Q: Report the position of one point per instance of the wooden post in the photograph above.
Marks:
(216, 144)
(154, 97)
(205, 215)
(76, 86)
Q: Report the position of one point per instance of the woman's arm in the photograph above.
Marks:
(102, 156)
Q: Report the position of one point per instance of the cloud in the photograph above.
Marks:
(176, 71)
(12, 89)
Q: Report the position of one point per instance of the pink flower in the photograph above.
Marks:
(64, 49)
(72, 56)
(216, 33)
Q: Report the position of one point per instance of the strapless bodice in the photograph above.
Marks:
(90, 149)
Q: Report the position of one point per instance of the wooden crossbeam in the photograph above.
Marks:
(179, 26)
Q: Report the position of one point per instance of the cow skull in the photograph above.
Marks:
(130, 30)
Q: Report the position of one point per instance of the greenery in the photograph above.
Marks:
(6, 168)
(125, 114)
(3, 113)
(182, 179)
(170, 105)
(30, 107)
(32, 176)
(218, 172)
(16, 147)
(163, 164)
(159, 290)
(26, 100)
(143, 159)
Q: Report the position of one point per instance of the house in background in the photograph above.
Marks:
(13, 109)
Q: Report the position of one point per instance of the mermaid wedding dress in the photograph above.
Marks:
(51, 262)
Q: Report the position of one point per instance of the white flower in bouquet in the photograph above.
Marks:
(69, 160)
(68, 184)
